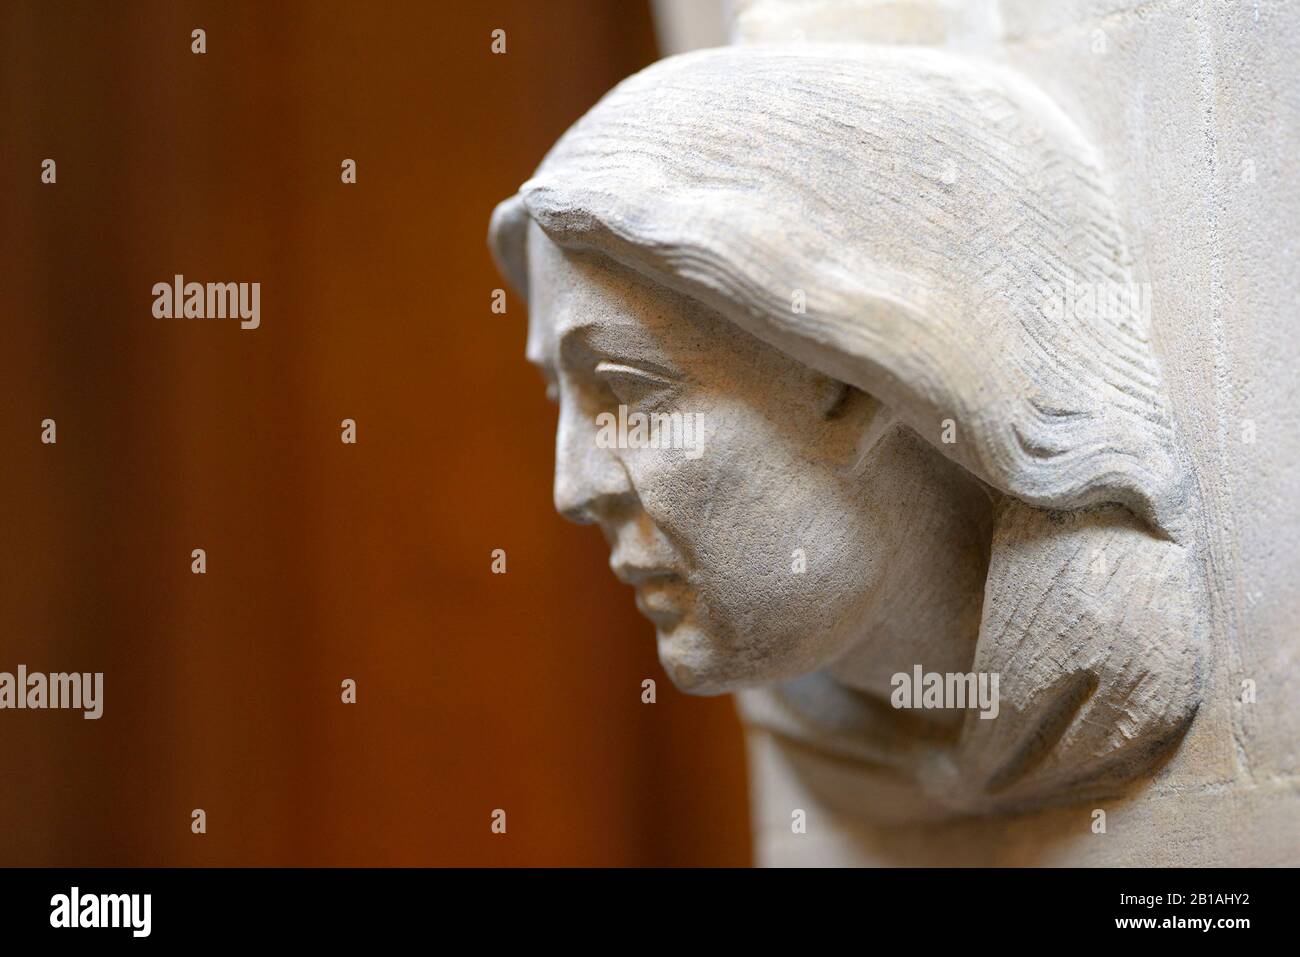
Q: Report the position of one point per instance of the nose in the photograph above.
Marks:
(590, 482)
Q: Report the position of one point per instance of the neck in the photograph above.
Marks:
(929, 609)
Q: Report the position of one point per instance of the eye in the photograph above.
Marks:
(633, 386)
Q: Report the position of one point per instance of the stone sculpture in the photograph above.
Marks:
(894, 286)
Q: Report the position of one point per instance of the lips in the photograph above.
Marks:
(659, 601)
(658, 591)
(638, 575)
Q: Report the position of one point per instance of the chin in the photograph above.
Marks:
(697, 666)
(691, 665)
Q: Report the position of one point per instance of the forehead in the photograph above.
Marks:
(576, 292)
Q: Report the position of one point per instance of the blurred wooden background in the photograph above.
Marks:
(325, 561)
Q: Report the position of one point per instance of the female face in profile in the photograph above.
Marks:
(812, 529)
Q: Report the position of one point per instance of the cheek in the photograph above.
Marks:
(773, 534)
(716, 506)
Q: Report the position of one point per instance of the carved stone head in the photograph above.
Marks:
(884, 299)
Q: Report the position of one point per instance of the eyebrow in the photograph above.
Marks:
(581, 336)
(576, 336)
(538, 356)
